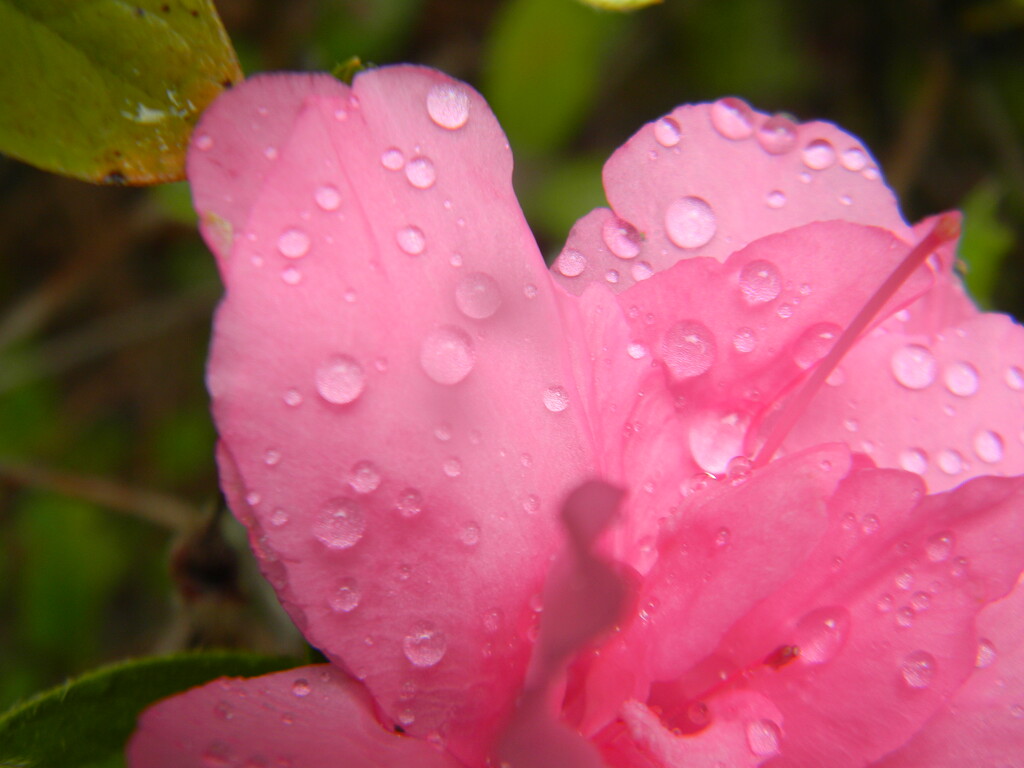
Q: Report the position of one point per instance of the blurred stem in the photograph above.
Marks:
(151, 506)
(915, 133)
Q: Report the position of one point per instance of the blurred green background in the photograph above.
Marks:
(110, 545)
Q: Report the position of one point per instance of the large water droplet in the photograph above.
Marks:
(763, 737)
(425, 645)
(392, 159)
(853, 159)
(293, 243)
(950, 461)
(914, 366)
(821, 633)
(666, 131)
(1014, 378)
(340, 380)
(760, 282)
(341, 523)
(744, 340)
(478, 295)
(327, 197)
(918, 669)
(301, 688)
(688, 349)
(447, 355)
(346, 596)
(815, 343)
(776, 198)
(961, 379)
(716, 438)
(411, 240)
(914, 460)
(819, 155)
(690, 222)
(939, 547)
(420, 172)
(556, 399)
(732, 118)
(621, 238)
(777, 135)
(571, 262)
(448, 106)
(988, 446)
(364, 477)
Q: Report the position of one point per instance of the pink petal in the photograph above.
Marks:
(396, 407)
(306, 716)
(681, 188)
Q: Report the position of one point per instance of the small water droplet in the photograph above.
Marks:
(939, 547)
(556, 399)
(763, 738)
(950, 461)
(918, 669)
(920, 601)
(531, 504)
(821, 633)
(328, 197)
(364, 477)
(986, 654)
(722, 538)
(447, 355)
(777, 135)
(667, 132)
(272, 457)
(392, 159)
(270, 153)
(341, 523)
(776, 198)
(819, 155)
(301, 688)
(425, 645)
(641, 271)
(292, 398)
(411, 240)
(470, 534)
(815, 343)
(346, 596)
(785, 311)
(914, 366)
(738, 470)
(571, 262)
(478, 295)
(760, 282)
(293, 243)
(621, 238)
(612, 276)
(688, 349)
(690, 222)
(732, 118)
(961, 379)
(291, 276)
(340, 380)
(410, 502)
(854, 159)
(448, 106)
(988, 446)
(204, 142)
(744, 340)
(278, 518)
(636, 350)
(452, 468)
(914, 460)
(530, 291)
(884, 604)
(420, 172)
(905, 617)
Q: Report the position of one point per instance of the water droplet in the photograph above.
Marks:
(301, 688)
(986, 654)
(272, 457)
(641, 271)
(961, 379)
(732, 118)
(744, 340)
(571, 262)
(556, 399)
(420, 172)
(738, 470)
(905, 617)
(760, 282)
(279, 518)
(1014, 378)
(612, 276)
(340, 380)
(939, 547)
(785, 311)
(364, 477)
(960, 567)
(293, 243)
(478, 295)
(950, 461)
(914, 460)
(914, 366)
(667, 132)
(636, 350)
(988, 446)
(270, 153)
(715, 439)
(448, 106)
(690, 222)
(346, 596)
(688, 349)
(447, 355)
(920, 601)
(492, 621)
(341, 523)
(530, 291)
(425, 645)
(470, 534)
(531, 504)
(854, 159)
(410, 502)
(819, 155)
(411, 240)
(776, 198)
(884, 604)
(292, 398)
(777, 135)
(763, 738)
(815, 343)
(204, 142)
(621, 238)
(821, 633)
(918, 669)
(452, 468)
(328, 197)
(392, 159)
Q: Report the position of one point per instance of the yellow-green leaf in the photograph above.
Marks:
(109, 90)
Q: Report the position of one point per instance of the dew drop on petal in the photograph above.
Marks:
(1014, 378)
(939, 547)
(732, 118)
(279, 518)
(477, 295)
(951, 462)
(469, 534)
(425, 645)
(914, 460)
(961, 379)
(667, 132)
(420, 172)
(293, 398)
(763, 738)
(777, 135)
(918, 669)
(815, 343)
(621, 238)
(410, 502)
(690, 222)
(641, 271)
(821, 633)
(448, 106)
(452, 468)
(346, 596)
(571, 262)
(715, 438)
(447, 355)
(819, 155)
(636, 350)
(853, 159)
(914, 366)
(688, 349)
(744, 340)
(986, 654)
(760, 282)
(301, 688)
(340, 380)
(204, 142)
(340, 524)
(411, 240)
(556, 399)
(988, 446)
(327, 197)
(392, 159)
(776, 198)
(293, 243)
(364, 477)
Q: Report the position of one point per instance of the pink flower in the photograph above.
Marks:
(811, 563)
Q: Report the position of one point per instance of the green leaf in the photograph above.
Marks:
(109, 90)
(87, 721)
(619, 5)
(984, 243)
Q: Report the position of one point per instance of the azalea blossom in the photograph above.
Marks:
(735, 483)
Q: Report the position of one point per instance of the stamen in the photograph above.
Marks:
(946, 229)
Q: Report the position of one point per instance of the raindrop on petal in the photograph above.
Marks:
(819, 155)
(853, 159)
(556, 399)
(420, 172)
(961, 379)
(914, 460)
(448, 106)
(447, 355)
(914, 366)
(425, 645)
(688, 349)
(763, 738)
(328, 197)
(744, 340)
(690, 222)
(821, 633)
(732, 118)
(988, 446)
(411, 240)
(815, 343)
(918, 669)
(346, 596)
(760, 282)
(478, 295)
(777, 135)
(392, 159)
(571, 262)
(667, 132)
(340, 380)
(364, 477)
(621, 238)
(340, 524)
(293, 243)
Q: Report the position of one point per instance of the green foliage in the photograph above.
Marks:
(87, 721)
(985, 242)
(109, 90)
(372, 31)
(567, 192)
